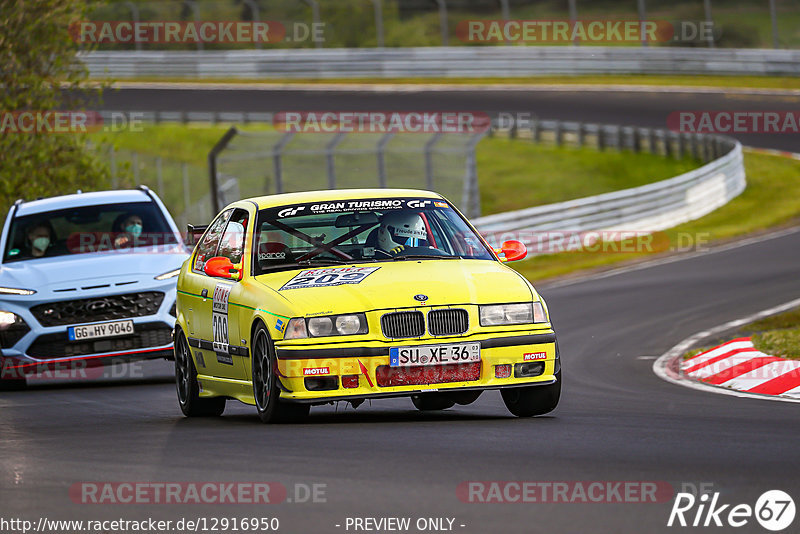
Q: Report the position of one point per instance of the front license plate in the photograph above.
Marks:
(434, 354)
(100, 330)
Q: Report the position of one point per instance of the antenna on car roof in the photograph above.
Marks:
(79, 192)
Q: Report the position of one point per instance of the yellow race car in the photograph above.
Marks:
(302, 299)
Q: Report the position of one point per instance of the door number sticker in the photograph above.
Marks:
(219, 317)
(335, 276)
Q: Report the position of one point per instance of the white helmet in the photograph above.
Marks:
(401, 228)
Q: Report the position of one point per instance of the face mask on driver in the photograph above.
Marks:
(134, 229)
(41, 243)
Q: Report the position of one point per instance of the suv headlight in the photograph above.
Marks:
(333, 325)
(16, 291)
(12, 328)
(510, 314)
(169, 274)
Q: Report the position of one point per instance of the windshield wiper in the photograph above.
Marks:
(317, 261)
(424, 257)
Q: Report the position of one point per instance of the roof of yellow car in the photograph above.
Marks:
(303, 197)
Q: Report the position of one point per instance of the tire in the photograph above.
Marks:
(10, 380)
(192, 405)
(432, 401)
(528, 401)
(265, 383)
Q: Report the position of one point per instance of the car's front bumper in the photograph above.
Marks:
(370, 362)
(45, 347)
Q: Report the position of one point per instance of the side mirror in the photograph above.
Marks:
(195, 232)
(512, 250)
(221, 267)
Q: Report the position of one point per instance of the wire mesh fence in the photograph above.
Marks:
(281, 162)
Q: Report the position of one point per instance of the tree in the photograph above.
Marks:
(38, 60)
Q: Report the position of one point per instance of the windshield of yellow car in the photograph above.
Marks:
(363, 230)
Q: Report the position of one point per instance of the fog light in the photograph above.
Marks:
(502, 371)
(526, 370)
(350, 381)
(321, 384)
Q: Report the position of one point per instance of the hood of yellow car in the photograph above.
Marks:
(396, 284)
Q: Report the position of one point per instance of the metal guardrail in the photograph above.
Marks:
(446, 62)
(647, 208)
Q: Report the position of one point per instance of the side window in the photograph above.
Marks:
(207, 247)
(231, 245)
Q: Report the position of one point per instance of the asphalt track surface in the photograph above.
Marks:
(616, 422)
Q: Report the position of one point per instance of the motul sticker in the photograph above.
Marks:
(312, 371)
(528, 356)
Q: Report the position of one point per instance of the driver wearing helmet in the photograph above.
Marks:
(401, 229)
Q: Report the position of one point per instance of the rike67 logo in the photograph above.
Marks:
(774, 510)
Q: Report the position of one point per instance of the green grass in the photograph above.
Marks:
(782, 343)
(730, 82)
(515, 174)
(781, 321)
(772, 199)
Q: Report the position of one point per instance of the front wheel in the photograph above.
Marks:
(527, 401)
(192, 405)
(265, 383)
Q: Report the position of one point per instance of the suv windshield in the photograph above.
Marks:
(363, 230)
(99, 228)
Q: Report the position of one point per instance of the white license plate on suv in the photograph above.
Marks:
(434, 354)
(100, 330)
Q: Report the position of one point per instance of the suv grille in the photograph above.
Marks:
(98, 309)
(403, 324)
(448, 322)
(56, 345)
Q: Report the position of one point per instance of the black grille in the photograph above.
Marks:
(98, 309)
(403, 324)
(57, 346)
(448, 322)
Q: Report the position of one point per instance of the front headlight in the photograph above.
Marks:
(15, 291)
(168, 275)
(332, 325)
(510, 314)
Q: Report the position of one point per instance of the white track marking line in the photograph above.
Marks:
(662, 367)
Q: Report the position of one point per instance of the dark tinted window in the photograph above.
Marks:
(100, 228)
